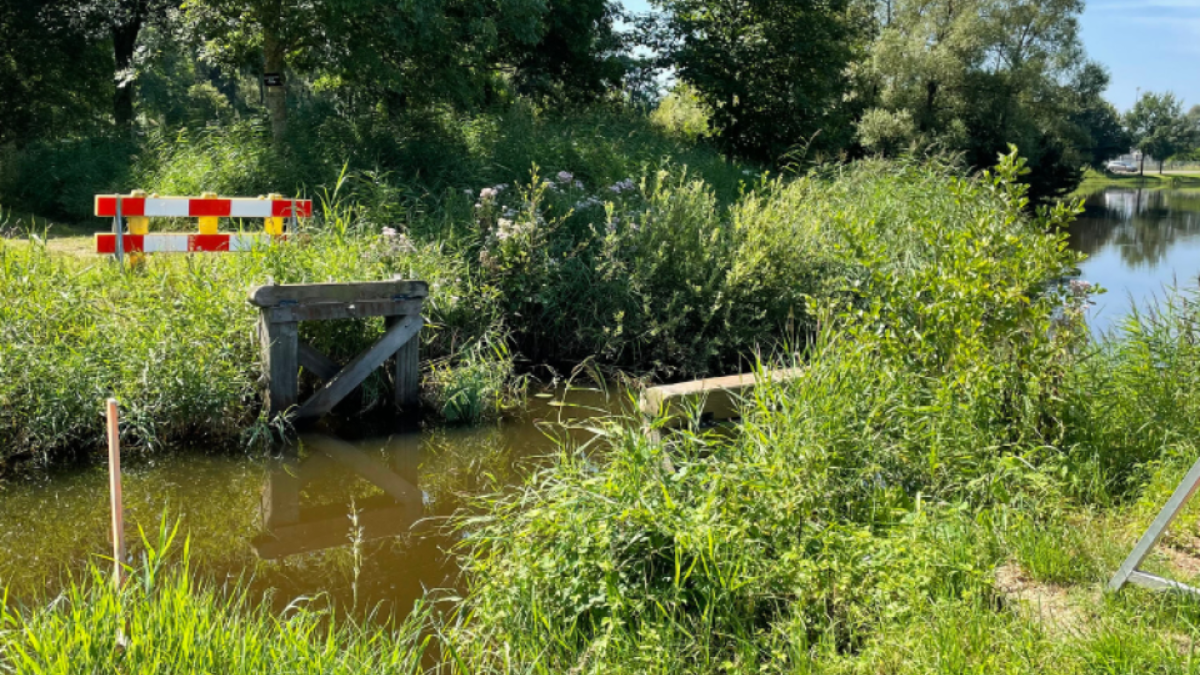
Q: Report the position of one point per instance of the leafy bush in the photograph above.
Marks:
(476, 386)
(934, 380)
(58, 179)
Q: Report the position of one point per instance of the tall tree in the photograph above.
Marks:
(1099, 132)
(773, 73)
(397, 53)
(1159, 127)
(577, 56)
(973, 76)
(55, 74)
(239, 33)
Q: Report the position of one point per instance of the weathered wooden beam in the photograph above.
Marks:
(357, 370)
(280, 343)
(407, 370)
(315, 362)
(300, 294)
(327, 311)
(718, 397)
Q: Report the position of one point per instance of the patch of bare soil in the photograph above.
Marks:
(1183, 555)
(1047, 603)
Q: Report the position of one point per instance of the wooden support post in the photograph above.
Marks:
(407, 369)
(399, 301)
(114, 485)
(280, 345)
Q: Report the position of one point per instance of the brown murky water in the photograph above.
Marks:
(350, 519)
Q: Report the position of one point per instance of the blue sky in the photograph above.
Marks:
(1152, 44)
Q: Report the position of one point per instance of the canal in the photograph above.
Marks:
(1139, 244)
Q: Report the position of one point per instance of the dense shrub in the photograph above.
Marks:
(649, 273)
(935, 380)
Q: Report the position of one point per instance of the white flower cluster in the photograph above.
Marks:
(622, 186)
(398, 240)
(489, 194)
(509, 229)
(588, 203)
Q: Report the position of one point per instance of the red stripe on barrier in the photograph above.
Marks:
(130, 206)
(107, 243)
(283, 208)
(208, 243)
(208, 207)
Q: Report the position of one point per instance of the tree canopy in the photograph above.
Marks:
(1159, 127)
(973, 76)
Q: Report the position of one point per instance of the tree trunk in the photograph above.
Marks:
(931, 90)
(273, 63)
(1160, 165)
(1142, 165)
(124, 43)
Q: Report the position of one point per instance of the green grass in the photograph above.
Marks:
(944, 489)
(1095, 180)
(175, 623)
(652, 275)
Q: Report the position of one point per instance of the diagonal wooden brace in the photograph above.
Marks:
(357, 370)
(315, 362)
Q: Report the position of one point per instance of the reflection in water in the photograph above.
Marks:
(292, 527)
(1138, 242)
(287, 522)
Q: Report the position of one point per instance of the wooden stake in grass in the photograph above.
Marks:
(114, 486)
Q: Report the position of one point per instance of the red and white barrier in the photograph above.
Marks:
(182, 243)
(200, 207)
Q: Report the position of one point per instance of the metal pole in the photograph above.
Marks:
(1183, 492)
(119, 230)
(114, 489)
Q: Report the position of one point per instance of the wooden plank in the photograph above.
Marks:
(716, 396)
(374, 471)
(280, 343)
(407, 370)
(1183, 492)
(357, 370)
(315, 362)
(329, 311)
(274, 295)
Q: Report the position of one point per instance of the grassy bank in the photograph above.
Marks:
(943, 490)
(652, 274)
(174, 623)
(1096, 180)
